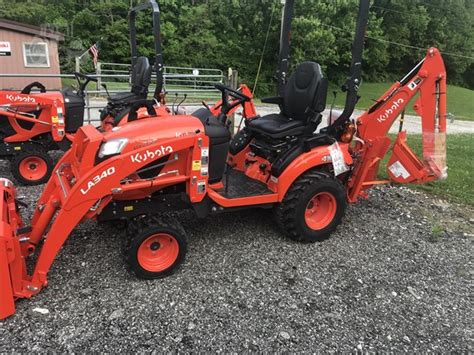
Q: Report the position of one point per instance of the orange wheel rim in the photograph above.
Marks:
(33, 168)
(320, 211)
(158, 252)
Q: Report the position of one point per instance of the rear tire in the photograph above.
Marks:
(32, 168)
(157, 248)
(312, 208)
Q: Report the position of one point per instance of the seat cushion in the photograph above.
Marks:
(277, 126)
(125, 97)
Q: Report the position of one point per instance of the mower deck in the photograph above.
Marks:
(239, 185)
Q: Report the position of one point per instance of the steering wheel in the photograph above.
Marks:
(27, 89)
(83, 84)
(229, 93)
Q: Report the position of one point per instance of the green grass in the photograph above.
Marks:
(460, 100)
(459, 186)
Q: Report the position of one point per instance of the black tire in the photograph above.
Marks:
(156, 231)
(40, 166)
(290, 213)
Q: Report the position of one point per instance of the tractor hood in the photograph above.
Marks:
(143, 131)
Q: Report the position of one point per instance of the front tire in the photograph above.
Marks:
(32, 168)
(312, 208)
(157, 249)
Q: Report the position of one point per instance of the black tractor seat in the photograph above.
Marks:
(141, 79)
(277, 126)
(301, 105)
(123, 98)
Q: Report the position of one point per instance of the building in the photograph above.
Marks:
(26, 49)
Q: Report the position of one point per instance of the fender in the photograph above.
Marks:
(318, 156)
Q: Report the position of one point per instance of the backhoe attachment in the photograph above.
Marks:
(426, 84)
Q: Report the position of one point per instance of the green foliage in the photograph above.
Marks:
(231, 33)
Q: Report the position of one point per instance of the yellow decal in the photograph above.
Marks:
(55, 119)
(128, 208)
(17, 148)
(196, 165)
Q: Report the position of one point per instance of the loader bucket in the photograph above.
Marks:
(7, 301)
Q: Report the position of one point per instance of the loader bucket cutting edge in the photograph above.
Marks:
(7, 300)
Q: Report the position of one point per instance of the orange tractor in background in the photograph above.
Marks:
(140, 171)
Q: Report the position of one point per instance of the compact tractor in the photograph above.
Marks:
(141, 171)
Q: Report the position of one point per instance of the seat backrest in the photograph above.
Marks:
(305, 92)
(141, 76)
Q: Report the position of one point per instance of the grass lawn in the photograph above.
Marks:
(460, 100)
(459, 186)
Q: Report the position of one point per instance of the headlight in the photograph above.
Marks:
(112, 147)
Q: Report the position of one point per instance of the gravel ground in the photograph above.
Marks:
(394, 277)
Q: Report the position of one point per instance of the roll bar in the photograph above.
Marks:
(355, 75)
(159, 65)
(285, 45)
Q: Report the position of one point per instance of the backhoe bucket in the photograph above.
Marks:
(8, 223)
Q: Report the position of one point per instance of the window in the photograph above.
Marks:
(36, 54)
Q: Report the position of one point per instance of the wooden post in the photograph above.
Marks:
(98, 72)
(78, 64)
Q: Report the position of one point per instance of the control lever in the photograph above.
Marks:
(174, 103)
(106, 90)
(182, 101)
(204, 103)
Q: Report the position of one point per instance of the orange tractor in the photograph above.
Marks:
(139, 170)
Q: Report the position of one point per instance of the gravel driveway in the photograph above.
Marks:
(394, 277)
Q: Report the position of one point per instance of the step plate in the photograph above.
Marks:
(240, 185)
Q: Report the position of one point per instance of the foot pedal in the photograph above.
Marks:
(24, 230)
(21, 203)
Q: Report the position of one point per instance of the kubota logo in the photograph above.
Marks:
(18, 98)
(389, 112)
(97, 179)
(151, 154)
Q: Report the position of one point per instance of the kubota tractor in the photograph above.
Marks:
(137, 171)
(35, 123)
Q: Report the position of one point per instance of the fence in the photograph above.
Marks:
(196, 83)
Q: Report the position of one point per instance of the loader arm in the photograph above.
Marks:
(428, 81)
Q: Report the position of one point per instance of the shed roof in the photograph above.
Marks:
(32, 30)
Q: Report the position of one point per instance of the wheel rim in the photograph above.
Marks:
(320, 211)
(33, 168)
(158, 252)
